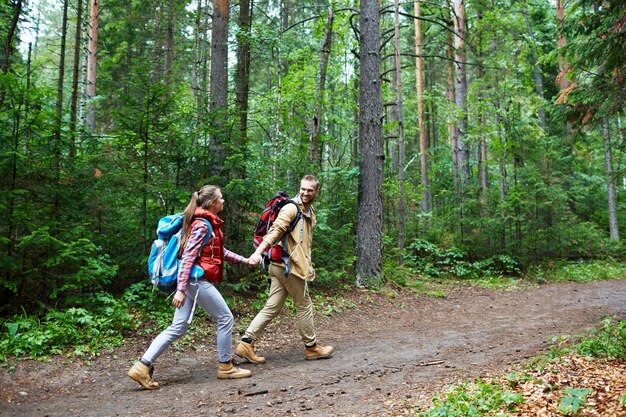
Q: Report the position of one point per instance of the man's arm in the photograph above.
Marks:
(286, 215)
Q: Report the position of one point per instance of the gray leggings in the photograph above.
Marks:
(213, 303)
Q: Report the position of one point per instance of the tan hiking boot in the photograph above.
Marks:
(318, 352)
(230, 371)
(143, 374)
(248, 351)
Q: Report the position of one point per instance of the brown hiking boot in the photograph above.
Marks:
(248, 351)
(230, 371)
(143, 374)
(318, 351)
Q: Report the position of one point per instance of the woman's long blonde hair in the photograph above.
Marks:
(202, 198)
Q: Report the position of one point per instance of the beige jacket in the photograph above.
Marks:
(299, 240)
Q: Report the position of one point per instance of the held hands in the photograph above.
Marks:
(179, 299)
(254, 260)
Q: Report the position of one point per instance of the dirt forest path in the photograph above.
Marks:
(390, 352)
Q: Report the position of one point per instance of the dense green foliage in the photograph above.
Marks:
(77, 212)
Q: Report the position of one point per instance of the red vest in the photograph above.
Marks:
(211, 258)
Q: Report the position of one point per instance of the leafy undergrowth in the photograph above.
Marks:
(587, 379)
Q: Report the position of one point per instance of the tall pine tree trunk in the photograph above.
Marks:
(320, 88)
(242, 74)
(219, 55)
(56, 153)
(200, 69)
(419, 85)
(219, 86)
(92, 61)
(169, 42)
(401, 142)
(370, 216)
(75, 76)
(451, 94)
(461, 91)
(483, 180)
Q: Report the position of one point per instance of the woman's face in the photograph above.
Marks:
(216, 205)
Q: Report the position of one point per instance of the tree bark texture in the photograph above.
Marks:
(242, 74)
(92, 61)
(461, 91)
(169, 42)
(314, 136)
(401, 142)
(219, 55)
(200, 68)
(370, 213)
(75, 76)
(419, 86)
(610, 180)
(56, 146)
(451, 93)
(219, 85)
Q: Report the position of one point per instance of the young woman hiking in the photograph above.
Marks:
(204, 204)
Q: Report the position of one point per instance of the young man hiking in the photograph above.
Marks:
(294, 282)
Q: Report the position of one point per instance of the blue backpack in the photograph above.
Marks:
(163, 260)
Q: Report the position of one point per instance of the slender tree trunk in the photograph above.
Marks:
(219, 55)
(242, 90)
(219, 84)
(56, 155)
(419, 84)
(370, 222)
(278, 121)
(483, 180)
(483, 173)
(503, 179)
(461, 91)
(314, 145)
(200, 69)
(401, 142)
(242, 75)
(92, 60)
(610, 178)
(169, 42)
(75, 76)
(451, 93)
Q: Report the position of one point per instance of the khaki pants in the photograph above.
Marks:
(280, 288)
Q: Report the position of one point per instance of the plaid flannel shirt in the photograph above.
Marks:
(192, 251)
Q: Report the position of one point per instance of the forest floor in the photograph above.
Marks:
(393, 350)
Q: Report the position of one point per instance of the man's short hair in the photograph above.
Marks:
(312, 178)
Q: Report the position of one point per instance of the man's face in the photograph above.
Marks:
(308, 191)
